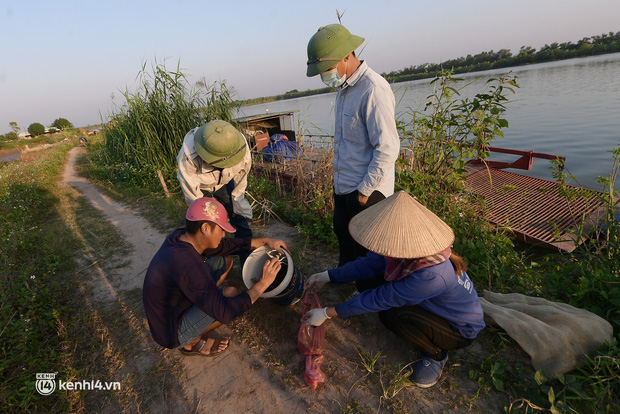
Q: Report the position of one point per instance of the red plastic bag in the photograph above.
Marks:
(313, 374)
(311, 342)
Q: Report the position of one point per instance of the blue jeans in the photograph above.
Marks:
(195, 321)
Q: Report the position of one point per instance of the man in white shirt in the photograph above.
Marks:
(214, 161)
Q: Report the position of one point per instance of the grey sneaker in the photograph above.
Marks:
(427, 372)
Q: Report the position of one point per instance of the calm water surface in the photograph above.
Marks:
(10, 157)
(569, 108)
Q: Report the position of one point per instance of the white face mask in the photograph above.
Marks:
(331, 78)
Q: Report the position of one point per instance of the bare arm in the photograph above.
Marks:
(270, 270)
(331, 312)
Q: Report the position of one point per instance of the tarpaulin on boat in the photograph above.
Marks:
(280, 149)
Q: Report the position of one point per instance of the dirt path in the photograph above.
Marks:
(213, 385)
(262, 371)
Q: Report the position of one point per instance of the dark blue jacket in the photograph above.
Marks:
(436, 289)
(178, 278)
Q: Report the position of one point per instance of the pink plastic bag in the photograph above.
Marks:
(311, 342)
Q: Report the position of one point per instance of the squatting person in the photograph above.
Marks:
(183, 295)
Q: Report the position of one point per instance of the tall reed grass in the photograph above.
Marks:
(147, 131)
(299, 190)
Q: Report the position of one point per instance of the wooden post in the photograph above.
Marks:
(163, 183)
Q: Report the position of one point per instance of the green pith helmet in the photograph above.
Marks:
(329, 45)
(220, 144)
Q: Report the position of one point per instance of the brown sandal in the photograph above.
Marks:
(197, 349)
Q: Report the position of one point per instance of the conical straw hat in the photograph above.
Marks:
(400, 227)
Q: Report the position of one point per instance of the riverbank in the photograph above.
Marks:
(75, 309)
(592, 46)
(80, 316)
(15, 154)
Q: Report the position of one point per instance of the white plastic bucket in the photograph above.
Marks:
(253, 269)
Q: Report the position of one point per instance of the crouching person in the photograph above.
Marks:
(412, 279)
(182, 293)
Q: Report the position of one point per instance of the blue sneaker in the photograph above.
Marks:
(427, 372)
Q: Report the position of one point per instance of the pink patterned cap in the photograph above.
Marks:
(209, 209)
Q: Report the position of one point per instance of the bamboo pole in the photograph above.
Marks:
(163, 183)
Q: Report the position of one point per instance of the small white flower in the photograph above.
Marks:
(33, 277)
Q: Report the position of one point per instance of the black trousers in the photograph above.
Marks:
(346, 206)
(431, 334)
(240, 223)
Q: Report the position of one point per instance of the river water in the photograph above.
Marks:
(569, 108)
(10, 156)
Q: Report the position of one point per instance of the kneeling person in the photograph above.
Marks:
(182, 295)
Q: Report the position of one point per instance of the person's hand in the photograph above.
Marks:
(362, 199)
(270, 271)
(315, 317)
(277, 245)
(318, 280)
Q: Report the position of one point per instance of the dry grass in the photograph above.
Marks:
(109, 341)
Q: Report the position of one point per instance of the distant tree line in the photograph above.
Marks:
(36, 129)
(588, 46)
(287, 95)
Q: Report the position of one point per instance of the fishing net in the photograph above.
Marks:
(311, 342)
(555, 335)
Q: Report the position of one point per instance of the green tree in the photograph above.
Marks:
(36, 129)
(62, 123)
(11, 136)
(14, 127)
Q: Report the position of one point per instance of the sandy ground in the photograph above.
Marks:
(262, 370)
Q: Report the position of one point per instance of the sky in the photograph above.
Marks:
(74, 59)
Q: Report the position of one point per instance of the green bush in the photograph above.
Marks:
(11, 136)
(62, 123)
(441, 139)
(36, 129)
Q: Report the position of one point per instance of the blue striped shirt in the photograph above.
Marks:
(366, 142)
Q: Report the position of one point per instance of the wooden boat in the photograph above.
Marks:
(258, 128)
(534, 210)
